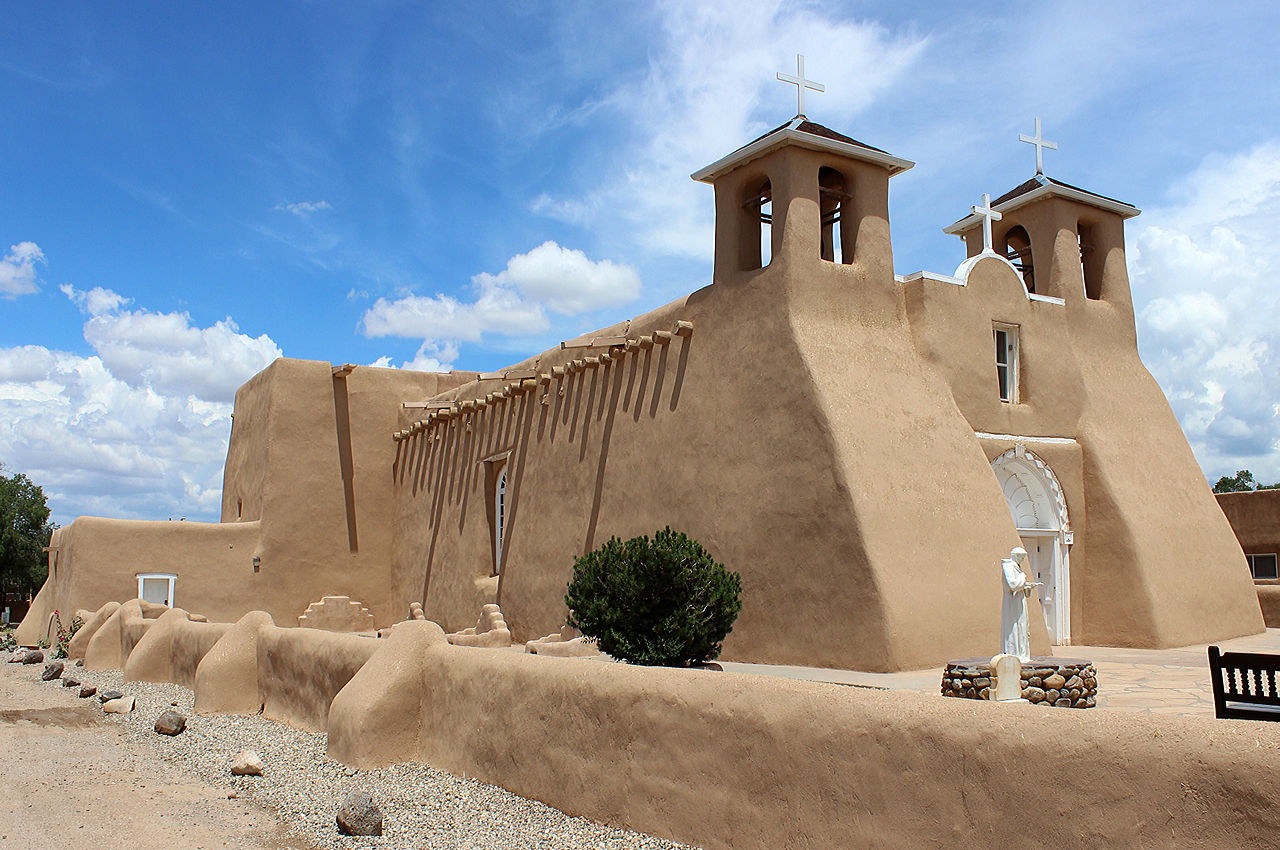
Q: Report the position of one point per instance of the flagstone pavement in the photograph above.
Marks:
(1148, 681)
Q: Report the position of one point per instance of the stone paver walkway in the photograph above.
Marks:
(1150, 681)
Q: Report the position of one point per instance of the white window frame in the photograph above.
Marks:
(171, 577)
(1253, 568)
(1008, 368)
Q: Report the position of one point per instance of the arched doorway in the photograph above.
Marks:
(1039, 512)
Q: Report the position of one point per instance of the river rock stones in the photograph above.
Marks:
(247, 763)
(1049, 681)
(108, 695)
(358, 815)
(170, 723)
(123, 705)
(33, 656)
(52, 671)
(87, 691)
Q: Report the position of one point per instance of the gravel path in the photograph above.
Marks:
(422, 807)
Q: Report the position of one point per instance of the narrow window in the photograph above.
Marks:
(1007, 362)
(1017, 250)
(1090, 263)
(239, 509)
(832, 196)
(1263, 566)
(499, 517)
(757, 238)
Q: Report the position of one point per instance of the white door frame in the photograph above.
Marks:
(1039, 509)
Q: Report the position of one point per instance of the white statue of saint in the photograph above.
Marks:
(1015, 629)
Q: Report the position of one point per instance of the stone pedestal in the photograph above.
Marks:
(1057, 682)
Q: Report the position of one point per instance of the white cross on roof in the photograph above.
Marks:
(800, 83)
(1041, 144)
(988, 215)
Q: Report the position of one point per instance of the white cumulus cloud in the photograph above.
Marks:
(514, 302)
(18, 270)
(1203, 270)
(139, 427)
(303, 208)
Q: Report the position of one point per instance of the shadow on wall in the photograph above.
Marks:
(580, 398)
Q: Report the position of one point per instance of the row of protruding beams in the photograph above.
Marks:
(615, 348)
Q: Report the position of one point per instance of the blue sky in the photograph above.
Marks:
(191, 192)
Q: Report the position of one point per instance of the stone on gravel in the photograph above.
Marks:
(107, 696)
(52, 671)
(248, 763)
(79, 662)
(68, 682)
(33, 656)
(87, 691)
(123, 705)
(19, 655)
(170, 723)
(358, 815)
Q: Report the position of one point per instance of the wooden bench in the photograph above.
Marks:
(1244, 685)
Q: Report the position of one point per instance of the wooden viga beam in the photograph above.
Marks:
(594, 342)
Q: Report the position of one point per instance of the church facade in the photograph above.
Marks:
(863, 448)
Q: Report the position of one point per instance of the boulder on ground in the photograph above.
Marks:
(123, 705)
(52, 671)
(68, 682)
(108, 695)
(87, 691)
(247, 763)
(358, 815)
(170, 723)
(19, 655)
(33, 656)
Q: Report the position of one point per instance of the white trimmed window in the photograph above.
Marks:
(1007, 362)
(499, 515)
(157, 588)
(1263, 566)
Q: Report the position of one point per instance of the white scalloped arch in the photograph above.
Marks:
(1032, 490)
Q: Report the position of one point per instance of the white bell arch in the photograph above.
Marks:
(1039, 511)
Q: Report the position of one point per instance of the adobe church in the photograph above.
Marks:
(863, 448)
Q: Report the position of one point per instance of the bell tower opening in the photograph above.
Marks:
(1017, 250)
(837, 236)
(757, 231)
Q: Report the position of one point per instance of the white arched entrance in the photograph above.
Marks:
(1039, 511)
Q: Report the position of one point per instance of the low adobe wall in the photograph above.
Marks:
(1269, 599)
(301, 670)
(723, 760)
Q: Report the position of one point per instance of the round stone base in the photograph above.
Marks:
(1059, 682)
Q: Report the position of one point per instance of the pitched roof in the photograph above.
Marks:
(1041, 186)
(806, 133)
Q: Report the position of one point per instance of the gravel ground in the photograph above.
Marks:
(421, 807)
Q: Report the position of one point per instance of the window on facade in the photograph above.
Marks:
(499, 516)
(156, 588)
(832, 194)
(1017, 250)
(757, 238)
(1090, 264)
(1007, 362)
(1263, 566)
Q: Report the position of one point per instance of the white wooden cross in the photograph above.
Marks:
(1040, 143)
(988, 215)
(801, 84)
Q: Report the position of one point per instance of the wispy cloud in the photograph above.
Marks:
(302, 209)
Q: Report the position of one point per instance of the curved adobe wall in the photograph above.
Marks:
(300, 671)
(724, 760)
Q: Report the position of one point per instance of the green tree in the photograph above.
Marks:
(24, 532)
(663, 601)
(1241, 482)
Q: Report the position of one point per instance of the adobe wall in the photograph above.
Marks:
(301, 670)
(99, 560)
(1153, 563)
(723, 760)
(835, 473)
(309, 458)
(1254, 519)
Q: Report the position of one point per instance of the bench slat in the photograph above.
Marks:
(1238, 678)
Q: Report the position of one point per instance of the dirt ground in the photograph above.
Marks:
(69, 779)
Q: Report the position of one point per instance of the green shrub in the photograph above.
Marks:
(663, 601)
(64, 635)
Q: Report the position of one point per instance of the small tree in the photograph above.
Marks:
(663, 601)
(24, 532)
(1241, 482)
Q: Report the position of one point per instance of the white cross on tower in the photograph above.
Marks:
(988, 215)
(1041, 144)
(801, 84)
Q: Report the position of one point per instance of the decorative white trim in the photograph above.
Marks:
(1055, 489)
(790, 133)
(172, 578)
(1046, 299)
(1011, 438)
(962, 271)
(1120, 208)
(933, 276)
